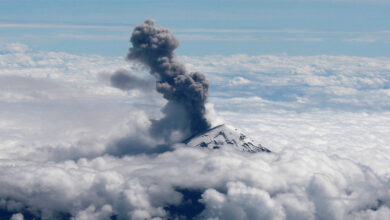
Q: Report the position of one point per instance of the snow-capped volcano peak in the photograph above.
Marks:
(222, 137)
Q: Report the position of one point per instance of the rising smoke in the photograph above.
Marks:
(186, 93)
(126, 80)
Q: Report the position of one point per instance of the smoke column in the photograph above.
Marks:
(186, 93)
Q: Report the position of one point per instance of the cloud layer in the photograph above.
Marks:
(326, 118)
(300, 83)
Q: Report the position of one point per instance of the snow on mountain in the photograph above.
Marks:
(222, 137)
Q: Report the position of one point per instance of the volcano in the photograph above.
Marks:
(221, 137)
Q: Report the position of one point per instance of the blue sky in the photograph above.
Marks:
(305, 27)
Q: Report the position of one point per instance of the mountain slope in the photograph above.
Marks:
(221, 137)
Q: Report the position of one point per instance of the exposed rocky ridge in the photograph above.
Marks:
(221, 137)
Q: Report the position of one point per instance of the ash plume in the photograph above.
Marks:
(125, 80)
(185, 92)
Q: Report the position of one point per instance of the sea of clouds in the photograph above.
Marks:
(326, 119)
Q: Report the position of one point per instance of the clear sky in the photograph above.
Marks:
(305, 27)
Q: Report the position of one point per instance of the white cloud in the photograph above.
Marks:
(328, 161)
(241, 202)
(17, 216)
(334, 82)
(14, 48)
(239, 81)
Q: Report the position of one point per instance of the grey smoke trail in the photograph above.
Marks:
(125, 80)
(186, 92)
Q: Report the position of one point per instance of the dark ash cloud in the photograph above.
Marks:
(186, 92)
(126, 80)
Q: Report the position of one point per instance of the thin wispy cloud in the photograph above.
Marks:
(120, 32)
(382, 36)
(180, 30)
(64, 26)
